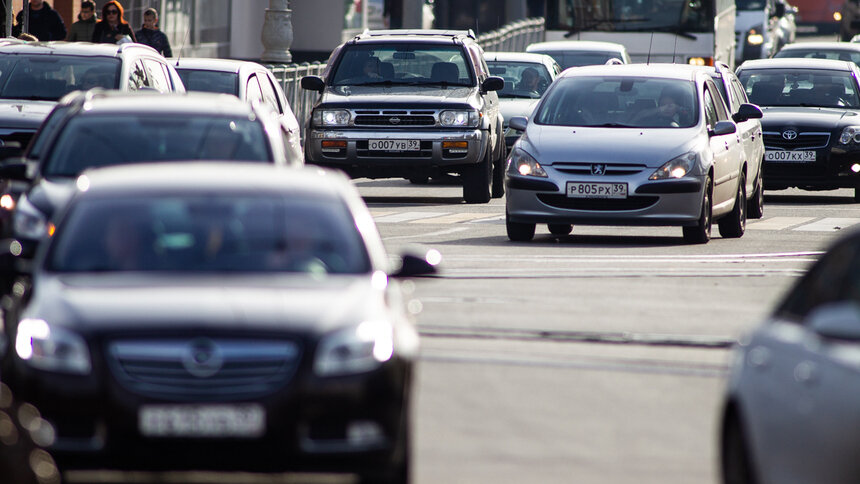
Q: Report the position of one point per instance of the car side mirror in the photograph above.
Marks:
(519, 123)
(724, 127)
(313, 83)
(493, 83)
(746, 112)
(414, 263)
(836, 320)
(14, 169)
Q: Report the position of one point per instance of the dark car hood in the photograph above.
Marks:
(114, 302)
(825, 118)
(48, 195)
(380, 96)
(24, 114)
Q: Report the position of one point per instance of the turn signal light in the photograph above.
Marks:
(334, 144)
(455, 144)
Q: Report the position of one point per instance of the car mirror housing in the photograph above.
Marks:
(493, 83)
(14, 169)
(313, 83)
(418, 263)
(747, 111)
(839, 320)
(519, 123)
(724, 127)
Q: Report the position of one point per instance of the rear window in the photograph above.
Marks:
(48, 78)
(210, 81)
(576, 59)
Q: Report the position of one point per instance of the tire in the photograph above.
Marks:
(734, 224)
(519, 232)
(735, 464)
(701, 232)
(755, 205)
(397, 471)
(477, 180)
(499, 174)
(560, 229)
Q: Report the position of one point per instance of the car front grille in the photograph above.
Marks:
(202, 369)
(395, 118)
(610, 170)
(803, 141)
(597, 204)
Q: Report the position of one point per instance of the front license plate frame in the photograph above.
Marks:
(780, 156)
(202, 420)
(394, 145)
(612, 191)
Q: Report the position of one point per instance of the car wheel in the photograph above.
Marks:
(755, 206)
(701, 232)
(499, 174)
(559, 229)
(519, 232)
(735, 223)
(477, 180)
(735, 464)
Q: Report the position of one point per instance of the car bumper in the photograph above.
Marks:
(337, 424)
(832, 170)
(433, 157)
(649, 203)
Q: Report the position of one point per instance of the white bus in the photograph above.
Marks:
(676, 31)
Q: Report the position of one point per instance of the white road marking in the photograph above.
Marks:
(777, 223)
(408, 216)
(431, 234)
(829, 224)
(451, 218)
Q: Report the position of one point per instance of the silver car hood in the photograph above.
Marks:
(649, 146)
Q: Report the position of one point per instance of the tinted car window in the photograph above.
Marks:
(51, 77)
(513, 74)
(414, 63)
(617, 101)
(210, 81)
(157, 74)
(207, 233)
(91, 141)
(269, 96)
(137, 77)
(800, 87)
(253, 91)
(835, 278)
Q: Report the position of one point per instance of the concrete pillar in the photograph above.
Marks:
(277, 34)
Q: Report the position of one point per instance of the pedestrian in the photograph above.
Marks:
(151, 36)
(44, 22)
(82, 30)
(112, 28)
(27, 37)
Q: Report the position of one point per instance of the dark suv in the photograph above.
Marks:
(411, 104)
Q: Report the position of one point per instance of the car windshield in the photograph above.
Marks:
(50, 77)
(580, 58)
(195, 233)
(522, 79)
(631, 15)
(835, 54)
(210, 81)
(620, 102)
(101, 140)
(406, 63)
(801, 87)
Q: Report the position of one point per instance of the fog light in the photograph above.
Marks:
(455, 144)
(855, 167)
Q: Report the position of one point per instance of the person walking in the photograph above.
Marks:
(151, 36)
(112, 28)
(45, 23)
(82, 30)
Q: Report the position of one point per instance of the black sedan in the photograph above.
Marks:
(218, 316)
(811, 121)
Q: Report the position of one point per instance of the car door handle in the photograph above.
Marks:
(727, 145)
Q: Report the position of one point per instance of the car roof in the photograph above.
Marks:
(798, 63)
(823, 46)
(71, 48)
(665, 71)
(532, 57)
(575, 46)
(99, 102)
(413, 35)
(213, 64)
(220, 177)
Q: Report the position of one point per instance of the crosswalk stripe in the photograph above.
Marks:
(777, 223)
(408, 216)
(829, 224)
(451, 218)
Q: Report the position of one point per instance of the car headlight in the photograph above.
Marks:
(7, 202)
(459, 118)
(850, 134)
(521, 163)
(676, 168)
(28, 222)
(51, 348)
(354, 350)
(331, 117)
(754, 36)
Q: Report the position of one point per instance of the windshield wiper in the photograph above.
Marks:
(610, 125)
(518, 96)
(30, 98)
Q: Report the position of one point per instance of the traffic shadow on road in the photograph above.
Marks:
(577, 240)
(814, 198)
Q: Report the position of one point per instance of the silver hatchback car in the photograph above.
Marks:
(629, 145)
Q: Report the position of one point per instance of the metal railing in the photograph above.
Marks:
(514, 37)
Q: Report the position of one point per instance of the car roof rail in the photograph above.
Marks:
(425, 32)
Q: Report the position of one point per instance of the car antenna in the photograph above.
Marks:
(674, 48)
(187, 32)
(648, 61)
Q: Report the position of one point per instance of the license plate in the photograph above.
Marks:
(790, 156)
(394, 145)
(206, 421)
(596, 190)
